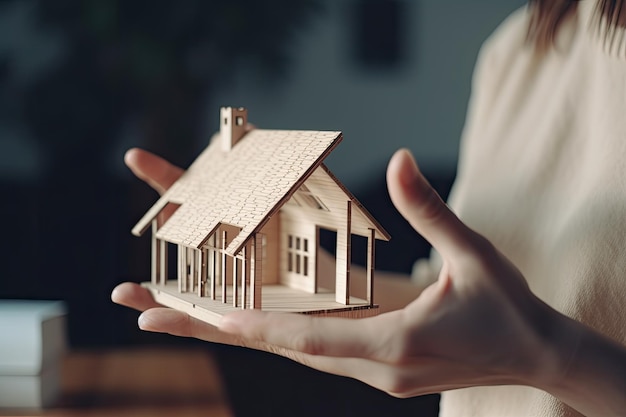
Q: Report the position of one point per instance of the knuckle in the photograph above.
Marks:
(398, 343)
(192, 327)
(299, 357)
(432, 208)
(276, 350)
(482, 245)
(391, 345)
(400, 395)
(182, 326)
(292, 354)
(241, 342)
(396, 383)
(306, 342)
(396, 354)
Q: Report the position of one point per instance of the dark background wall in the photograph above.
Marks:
(82, 81)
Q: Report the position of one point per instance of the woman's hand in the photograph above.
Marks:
(475, 326)
(478, 325)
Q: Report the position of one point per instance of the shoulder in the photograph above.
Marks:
(506, 42)
(497, 59)
(512, 29)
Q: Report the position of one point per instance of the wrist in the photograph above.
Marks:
(560, 341)
(549, 350)
(581, 367)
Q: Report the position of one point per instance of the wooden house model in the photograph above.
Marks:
(245, 227)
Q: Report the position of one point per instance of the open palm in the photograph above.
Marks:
(475, 325)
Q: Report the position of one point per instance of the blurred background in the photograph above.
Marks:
(82, 81)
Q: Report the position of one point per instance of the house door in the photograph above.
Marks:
(326, 260)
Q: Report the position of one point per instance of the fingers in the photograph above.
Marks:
(417, 376)
(333, 337)
(177, 323)
(377, 374)
(152, 169)
(422, 207)
(134, 296)
(352, 348)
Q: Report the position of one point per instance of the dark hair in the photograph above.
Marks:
(548, 15)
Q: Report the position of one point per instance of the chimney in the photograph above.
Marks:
(233, 123)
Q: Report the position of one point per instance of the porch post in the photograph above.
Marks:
(202, 271)
(371, 255)
(343, 257)
(256, 256)
(213, 265)
(181, 263)
(244, 265)
(235, 283)
(154, 252)
(223, 257)
(163, 247)
(185, 266)
(191, 268)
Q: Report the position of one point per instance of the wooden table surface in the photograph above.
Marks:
(138, 382)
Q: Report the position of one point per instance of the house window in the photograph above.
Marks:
(298, 255)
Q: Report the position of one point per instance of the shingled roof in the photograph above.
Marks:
(242, 187)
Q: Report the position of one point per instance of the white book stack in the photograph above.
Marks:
(32, 342)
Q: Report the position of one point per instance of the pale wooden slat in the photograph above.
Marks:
(223, 283)
(154, 250)
(371, 257)
(163, 261)
(277, 298)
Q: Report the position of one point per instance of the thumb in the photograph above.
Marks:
(422, 207)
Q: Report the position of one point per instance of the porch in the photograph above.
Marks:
(275, 298)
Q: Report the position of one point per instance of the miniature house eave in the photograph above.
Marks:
(252, 176)
(144, 223)
(241, 239)
(380, 232)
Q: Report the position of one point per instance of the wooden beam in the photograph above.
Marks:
(163, 264)
(154, 252)
(244, 287)
(348, 248)
(202, 272)
(180, 261)
(371, 256)
(223, 257)
(191, 268)
(235, 283)
(313, 266)
(213, 265)
(256, 269)
(343, 258)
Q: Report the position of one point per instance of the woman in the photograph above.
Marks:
(541, 179)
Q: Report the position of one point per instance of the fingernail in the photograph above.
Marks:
(128, 155)
(408, 171)
(143, 322)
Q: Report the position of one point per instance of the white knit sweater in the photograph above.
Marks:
(543, 175)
